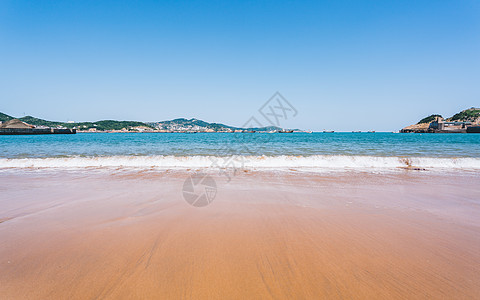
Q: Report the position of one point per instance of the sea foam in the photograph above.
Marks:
(314, 162)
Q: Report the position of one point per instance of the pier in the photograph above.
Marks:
(24, 131)
(17, 127)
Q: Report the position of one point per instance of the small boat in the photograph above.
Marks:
(328, 131)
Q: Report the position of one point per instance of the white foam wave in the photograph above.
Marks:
(249, 162)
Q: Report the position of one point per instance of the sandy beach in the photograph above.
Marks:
(118, 234)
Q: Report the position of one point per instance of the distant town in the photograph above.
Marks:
(29, 124)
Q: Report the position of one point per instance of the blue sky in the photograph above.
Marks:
(344, 65)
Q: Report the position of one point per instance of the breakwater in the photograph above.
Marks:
(23, 131)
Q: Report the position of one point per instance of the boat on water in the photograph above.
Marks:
(328, 131)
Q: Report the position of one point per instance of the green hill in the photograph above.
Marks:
(176, 125)
(429, 119)
(468, 115)
(100, 125)
(4, 117)
(39, 122)
(190, 124)
(108, 125)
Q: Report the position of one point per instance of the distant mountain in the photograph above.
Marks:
(100, 125)
(183, 124)
(189, 124)
(176, 125)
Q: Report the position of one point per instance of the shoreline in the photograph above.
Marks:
(129, 233)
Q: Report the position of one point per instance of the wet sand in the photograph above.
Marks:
(126, 234)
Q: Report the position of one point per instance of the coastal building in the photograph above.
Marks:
(142, 128)
(439, 125)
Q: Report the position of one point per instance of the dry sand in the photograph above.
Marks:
(124, 234)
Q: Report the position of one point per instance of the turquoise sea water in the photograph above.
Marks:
(287, 150)
(180, 144)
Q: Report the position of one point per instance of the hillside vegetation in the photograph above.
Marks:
(176, 125)
(4, 117)
(191, 124)
(99, 125)
(468, 115)
(429, 119)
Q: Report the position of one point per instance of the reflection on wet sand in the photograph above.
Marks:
(266, 235)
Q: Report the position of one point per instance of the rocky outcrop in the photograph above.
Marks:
(458, 123)
(419, 128)
(16, 123)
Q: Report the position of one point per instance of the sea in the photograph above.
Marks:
(298, 151)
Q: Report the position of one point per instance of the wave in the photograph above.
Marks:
(313, 162)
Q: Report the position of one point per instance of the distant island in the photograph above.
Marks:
(176, 125)
(466, 121)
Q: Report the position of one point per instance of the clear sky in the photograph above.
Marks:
(344, 65)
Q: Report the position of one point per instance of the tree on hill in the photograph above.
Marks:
(429, 119)
(119, 125)
(468, 115)
(39, 122)
(5, 118)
